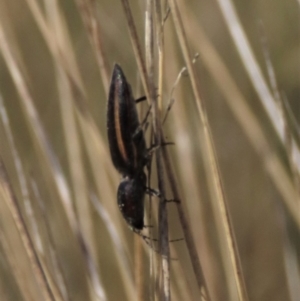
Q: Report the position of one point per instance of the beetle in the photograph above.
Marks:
(127, 149)
(125, 134)
(130, 198)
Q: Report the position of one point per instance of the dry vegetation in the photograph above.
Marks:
(234, 164)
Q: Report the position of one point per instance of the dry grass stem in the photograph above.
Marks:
(136, 48)
(11, 260)
(121, 252)
(246, 54)
(186, 228)
(8, 195)
(36, 127)
(242, 44)
(212, 166)
(246, 118)
(163, 217)
(87, 8)
(60, 277)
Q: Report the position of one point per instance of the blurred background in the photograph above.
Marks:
(56, 59)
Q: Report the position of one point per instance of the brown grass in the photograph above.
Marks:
(234, 166)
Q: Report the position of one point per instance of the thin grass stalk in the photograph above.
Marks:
(52, 44)
(182, 283)
(252, 67)
(25, 195)
(269, 66)
(21, 175)
(119, 248)
(291, 259)
(139, 269)
(157, 15)
(52, 281)
(293, 125)
(159, 25)
(36, 127)
(136, 48)
(282, 104)
(163, 218)
(289, 246)
(89, 129)
(87, 9)
(74, 155)
(189, 181)
(254, 72)
(58, 271)
(198, 272)
(245, 117)
(57, 179)
(12, 203)
(163, 214)
(48, 157)
(73, 147)
(149, 60)
(200, 278)
(86, 233)
(289, 133)
(25, 192)
(15, 270)
(211, 163)
(37, 130)
(42, 25)
(191, 246)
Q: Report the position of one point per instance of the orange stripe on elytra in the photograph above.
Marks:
(118, 129)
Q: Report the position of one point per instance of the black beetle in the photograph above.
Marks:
(131, 193)
(127, 149)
